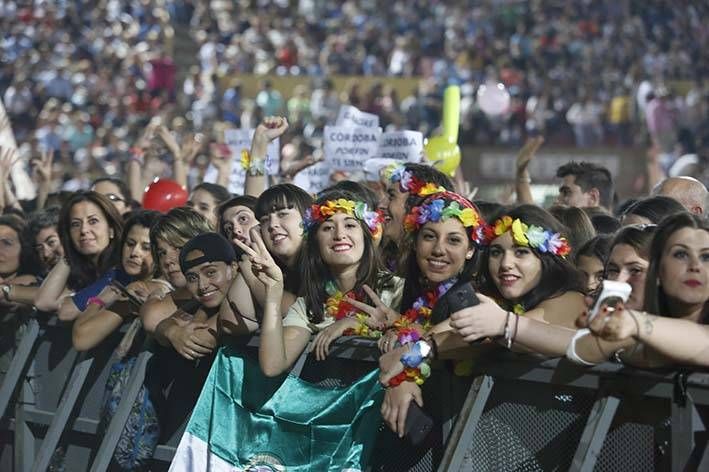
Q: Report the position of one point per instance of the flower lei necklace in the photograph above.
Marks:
(339, 308)
(419, 313)
(526, 235)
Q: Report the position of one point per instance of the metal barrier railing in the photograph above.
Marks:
(535, 414)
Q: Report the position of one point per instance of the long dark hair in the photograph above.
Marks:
(279, 197)
(82, 270)
(413, 287)
(144, 218)
(655, 298)
(316, 274)
(558, 274)
(28, 264)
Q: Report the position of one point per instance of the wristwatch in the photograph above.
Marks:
(6, 291)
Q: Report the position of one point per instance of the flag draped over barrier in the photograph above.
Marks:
(244, 420)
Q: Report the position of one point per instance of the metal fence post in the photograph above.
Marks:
(66, 405)
(467, 422)
(119, 420)
(594, 434)
(18, 364)
(682, 433)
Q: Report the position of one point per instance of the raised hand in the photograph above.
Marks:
(170, 142)
(380, 315)
(262, 264)
(527, 153)
(42, 167)
(269, 129)
(8, 158)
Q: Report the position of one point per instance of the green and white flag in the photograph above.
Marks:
(245, 421)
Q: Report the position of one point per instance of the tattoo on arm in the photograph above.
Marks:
(647, 324)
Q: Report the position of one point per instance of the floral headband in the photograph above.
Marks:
(409, 182)
(442, 206)
(319, 213)
(526, 235)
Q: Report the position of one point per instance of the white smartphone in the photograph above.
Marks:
(611, 293)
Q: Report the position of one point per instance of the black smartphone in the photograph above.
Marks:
(457, 298)
(131, 298)
(418, 424)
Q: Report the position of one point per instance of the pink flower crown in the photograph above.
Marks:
(525, 235)
(359, 210)
(409, 182)
(442, 206)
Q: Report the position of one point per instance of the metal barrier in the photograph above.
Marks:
(521, 413)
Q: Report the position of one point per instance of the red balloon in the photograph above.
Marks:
(163, 195)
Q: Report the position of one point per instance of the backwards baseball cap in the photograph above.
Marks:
(213, 246)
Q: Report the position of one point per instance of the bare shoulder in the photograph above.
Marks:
(561, 310)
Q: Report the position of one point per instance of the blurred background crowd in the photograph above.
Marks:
(83, 78)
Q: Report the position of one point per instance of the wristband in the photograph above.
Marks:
(96, 301)
(571, 350)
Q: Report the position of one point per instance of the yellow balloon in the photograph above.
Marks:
(451, 112)
(444, 154)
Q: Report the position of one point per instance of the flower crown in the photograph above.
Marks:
(526, 235)
(409, 182)
(319, 213)
(442, 206)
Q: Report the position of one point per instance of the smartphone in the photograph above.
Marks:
(610, 295)
(417, 425)
(457, 298)
(131, 298)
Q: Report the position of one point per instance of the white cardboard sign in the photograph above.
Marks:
(404, 145)
(315, 178)
(350, 116)
(348, 148)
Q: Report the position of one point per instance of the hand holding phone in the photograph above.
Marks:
(610, 295)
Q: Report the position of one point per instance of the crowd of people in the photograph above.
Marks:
(93, 98)
(359, 259)
(640, 61)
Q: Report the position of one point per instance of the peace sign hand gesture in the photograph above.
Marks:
(380, 316)
(262, 264)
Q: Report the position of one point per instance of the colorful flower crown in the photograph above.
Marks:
(442, 206)
(409, 182)
(319, 213)
(526, 235)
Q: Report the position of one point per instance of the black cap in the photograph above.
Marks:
(214, 246)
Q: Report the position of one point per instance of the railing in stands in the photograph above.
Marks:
(521, 412)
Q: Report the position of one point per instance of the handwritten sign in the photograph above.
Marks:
(401, 145)
(315, 178)
(350, 116)
(348, 148)
(237, 140)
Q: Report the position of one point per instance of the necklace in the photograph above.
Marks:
(339, 308)
(420, 313)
